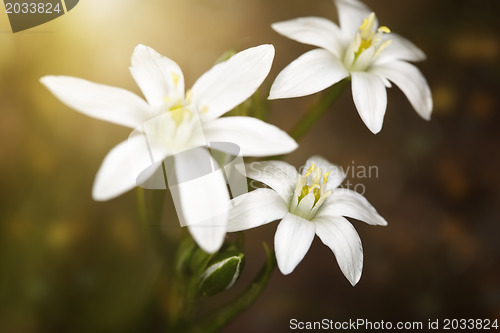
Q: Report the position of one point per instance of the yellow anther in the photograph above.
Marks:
(368, 22)
(384, 29)
(367, 26)
(310, 170)
(317, 176)
(205, 109)
(367, 37)
(325, 177)
(364, 24)
(303, 192)
(315, 188)
(306, 186)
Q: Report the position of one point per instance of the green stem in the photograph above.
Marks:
(223, 316)
(317, 110)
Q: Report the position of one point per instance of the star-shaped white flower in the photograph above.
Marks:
(216, 92)
(358, 49)
(307, 204)
(176, 121)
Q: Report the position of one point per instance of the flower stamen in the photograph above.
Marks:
(366, 37)
(310, 170)
(313, 181)
(176, 107)
(325, 177)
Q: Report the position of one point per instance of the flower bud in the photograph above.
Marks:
(221, 272)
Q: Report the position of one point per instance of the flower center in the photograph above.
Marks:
(367, 44)
(177, 109)
(178, 127)
(310, 192)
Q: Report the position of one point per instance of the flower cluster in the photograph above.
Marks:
(166, 110)
(173, 122)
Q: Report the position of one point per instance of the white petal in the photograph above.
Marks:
(292, 241)
(336, 176)
(370, 98)
(146, 160)
(278, 175)
(345, 202)
(351, 15)
(315, 31)
(311, 72)
(400, 49)
(99, 101)
(305, 205)
(254, 209)
(117, 174)
(341, 237)
(231, 82)
(200, 197)
(157, 76)
(209, 237)
(411, 81)
(253, 136)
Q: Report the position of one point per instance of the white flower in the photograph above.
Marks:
(173, 117)
(216, 92)
(369, 55)
(308, 204)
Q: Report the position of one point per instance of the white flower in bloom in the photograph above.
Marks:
(307, 204)
(216, 92)
(174, 118)
(358, 49)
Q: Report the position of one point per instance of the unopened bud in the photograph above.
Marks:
(221, 273)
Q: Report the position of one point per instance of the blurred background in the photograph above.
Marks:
(70, 264)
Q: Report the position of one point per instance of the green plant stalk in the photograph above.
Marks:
(183, 297)
(317, 110)
(224, 315)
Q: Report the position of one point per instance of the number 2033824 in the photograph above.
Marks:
(32, 8)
